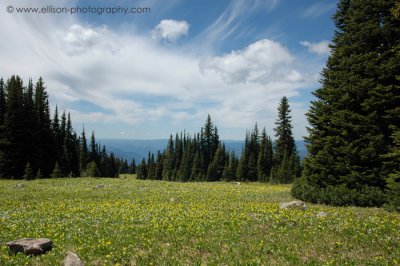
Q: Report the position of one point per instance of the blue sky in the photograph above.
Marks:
(144, 76)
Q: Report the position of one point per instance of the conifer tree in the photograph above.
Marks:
(132, 167)
(28, 172)
(3, 103)
(159, 166)
(57, 172)
(84, 154)
(229, 173)
(169, 160)
(351, 118)
(12, 159)
(284, 170)
(45, 161)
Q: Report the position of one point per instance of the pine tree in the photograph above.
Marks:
(84, 154)
(284, 170)
(264, 163)
(393, 180)
(57, 172)
(351, 118)
(3, 103)
(44, 158)
(142, 171)
(159, 166)
(229, 173)
(12, 158)
(196, 172)
(28, 172)
(169, 160)
(132, 167)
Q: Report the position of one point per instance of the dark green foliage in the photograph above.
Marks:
(31, 142)
(350, 120)
(393, 180)
(132, 167)
(57, 172)
(92, 170)
(142, 170)
(229, 173)
(28, 172)
(84, 153)
(285, 159)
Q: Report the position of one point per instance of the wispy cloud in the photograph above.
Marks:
(230, 22)
(320, 48)
(119, 70)
(318, 9)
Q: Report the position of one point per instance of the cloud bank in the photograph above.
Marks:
(131, 79)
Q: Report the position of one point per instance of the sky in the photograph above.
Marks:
(146, 75)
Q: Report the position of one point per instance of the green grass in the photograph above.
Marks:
(133, 222)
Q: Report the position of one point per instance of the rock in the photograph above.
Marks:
(297, 204)
(322, 214)
(30, 246)
(100, 186)
(72, 260)
(20, 185)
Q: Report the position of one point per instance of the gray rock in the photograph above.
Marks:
(72, 260)
(322, 214)
(297, 204)
(30, 246)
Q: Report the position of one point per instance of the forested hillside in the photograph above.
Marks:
(35, 145)
(204, 157)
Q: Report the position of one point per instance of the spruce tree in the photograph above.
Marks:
(351, 118)
(284, 170)
(169, 160)
(57, 172)
(28, 172)
(84, 153)
(12, 145)
(3, 103)
(44, 159)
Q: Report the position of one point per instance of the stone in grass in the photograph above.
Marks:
(322, 214)
(30, 246)
(297, 204)
(100, 186)
(72, 260)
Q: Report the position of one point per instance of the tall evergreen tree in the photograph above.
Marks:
(3, 103)
(351, 118)
(284, 170)
(84, 153)
(12, 158)
(169, 160)
(44, 136)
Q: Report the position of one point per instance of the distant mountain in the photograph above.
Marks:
(138, 149)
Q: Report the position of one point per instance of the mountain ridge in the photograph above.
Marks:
(139, 148)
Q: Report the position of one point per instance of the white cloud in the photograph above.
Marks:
(320, 48)
(80, 39)
(171, 30)
(136, 81)
(261, 62)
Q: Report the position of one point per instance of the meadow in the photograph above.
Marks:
(126, 221)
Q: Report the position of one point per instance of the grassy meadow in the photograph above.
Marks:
(133, 222)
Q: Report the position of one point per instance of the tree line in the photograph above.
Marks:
(34, 145)
(204, 157)
(354, 133)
